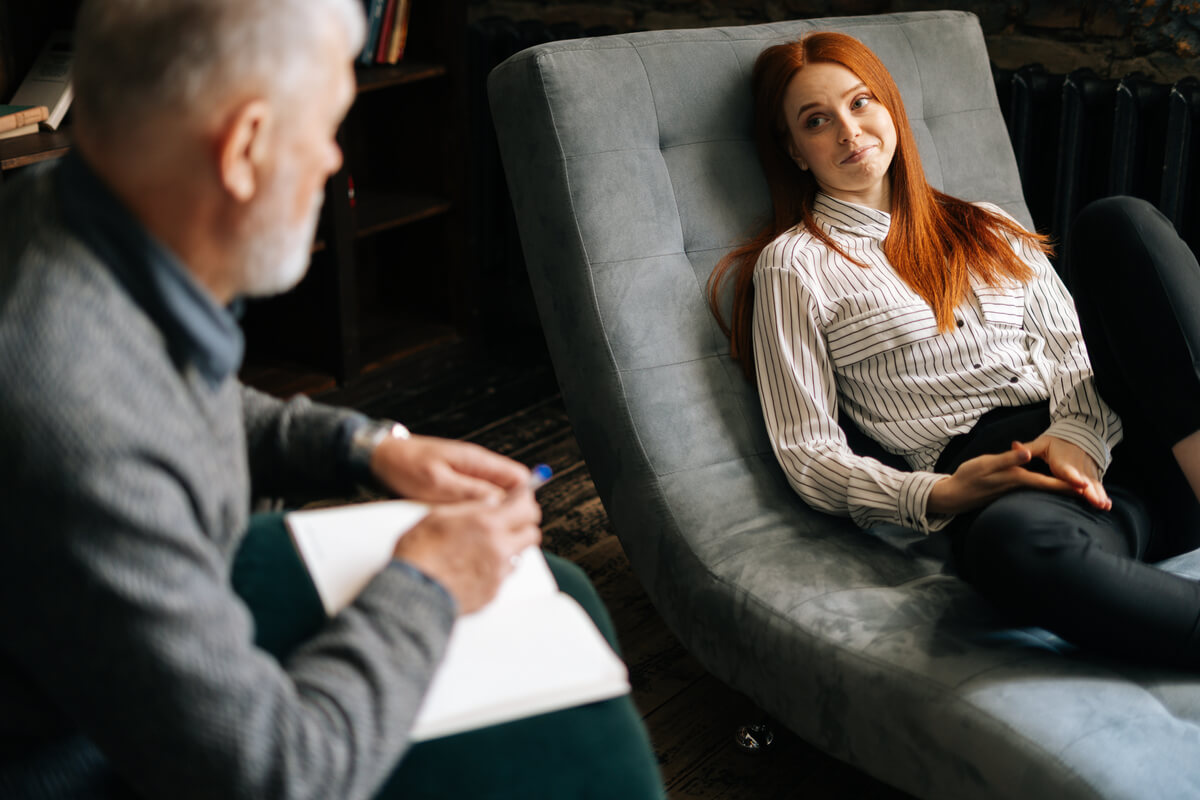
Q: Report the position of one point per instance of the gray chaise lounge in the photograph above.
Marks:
(631, 167)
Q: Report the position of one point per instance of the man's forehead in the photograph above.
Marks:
(332, 71)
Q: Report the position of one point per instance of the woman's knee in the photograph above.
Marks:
(1022, 541)
(1107, 229)
(1116, 215)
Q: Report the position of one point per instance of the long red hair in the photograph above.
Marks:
(934, 240)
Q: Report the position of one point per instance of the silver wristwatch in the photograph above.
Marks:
(364, 441)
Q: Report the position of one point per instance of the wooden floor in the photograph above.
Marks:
(507, 399)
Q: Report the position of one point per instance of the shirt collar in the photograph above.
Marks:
(840, 215)
(197, 330)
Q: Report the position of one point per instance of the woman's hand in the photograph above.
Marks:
(1069, 462)
(982, 479)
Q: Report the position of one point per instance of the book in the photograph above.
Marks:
(21, 116)
(399, 32)
(49, 80)
(532, 650)
(385, 32)
(21, 131)
(375, 10)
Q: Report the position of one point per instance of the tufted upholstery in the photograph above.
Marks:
(632, 171)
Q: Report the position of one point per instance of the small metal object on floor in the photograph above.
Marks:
(754, 738)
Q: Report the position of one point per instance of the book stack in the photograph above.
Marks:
(20, 120)
(387, 30)
(49, 81)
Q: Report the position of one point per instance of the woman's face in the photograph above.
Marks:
(842, 133)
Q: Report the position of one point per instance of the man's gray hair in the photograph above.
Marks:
(178, 56)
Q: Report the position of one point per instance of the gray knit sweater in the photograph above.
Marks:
(125, 479)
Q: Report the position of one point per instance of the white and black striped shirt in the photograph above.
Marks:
(829, 334)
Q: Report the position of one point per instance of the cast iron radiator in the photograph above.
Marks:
(1077, 137)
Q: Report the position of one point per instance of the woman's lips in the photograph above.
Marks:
(859, 155)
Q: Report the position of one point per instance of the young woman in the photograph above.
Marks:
(941, 330)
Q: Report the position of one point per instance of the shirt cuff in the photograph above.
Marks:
(913, 503)
(1081, 431)
(406, 568)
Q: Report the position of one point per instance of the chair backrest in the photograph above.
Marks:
(632, 170)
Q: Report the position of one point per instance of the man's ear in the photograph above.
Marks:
(243, 147)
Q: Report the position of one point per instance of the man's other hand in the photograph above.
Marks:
(435, 470)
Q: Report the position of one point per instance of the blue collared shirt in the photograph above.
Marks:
(198, 331)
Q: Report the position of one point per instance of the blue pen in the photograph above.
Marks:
(539, 475)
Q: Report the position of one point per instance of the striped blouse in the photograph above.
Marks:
(830, 335)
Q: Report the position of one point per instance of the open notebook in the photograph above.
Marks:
(531, 650)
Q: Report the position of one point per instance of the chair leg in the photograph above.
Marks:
(754, 738)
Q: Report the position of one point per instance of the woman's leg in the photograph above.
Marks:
(1055, 561)
(1059, 563)
(1137, 289)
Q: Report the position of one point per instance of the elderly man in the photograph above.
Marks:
(128, 665)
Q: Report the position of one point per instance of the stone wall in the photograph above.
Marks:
(1160, 38)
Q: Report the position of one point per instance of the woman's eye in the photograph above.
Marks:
(859, 102)
(814, 122)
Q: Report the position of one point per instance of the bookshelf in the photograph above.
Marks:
(388, 274)
(24, 28)
(26, 150)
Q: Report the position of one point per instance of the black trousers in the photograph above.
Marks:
(1052, 559)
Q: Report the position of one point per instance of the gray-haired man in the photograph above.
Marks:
(204, 135)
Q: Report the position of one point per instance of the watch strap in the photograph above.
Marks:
(364, 441)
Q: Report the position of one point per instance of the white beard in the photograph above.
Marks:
(274, 256)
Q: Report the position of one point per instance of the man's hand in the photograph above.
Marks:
(469, 547)
(1070, 463)
(436, 470)
(982, 479)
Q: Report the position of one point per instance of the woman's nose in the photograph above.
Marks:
(849, 129)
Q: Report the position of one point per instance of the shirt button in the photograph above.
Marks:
(1013, 380)
(960, 322)
(977, 366)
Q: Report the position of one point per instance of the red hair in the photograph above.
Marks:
(934, 241)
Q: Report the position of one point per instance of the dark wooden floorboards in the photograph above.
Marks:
(507, 399)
